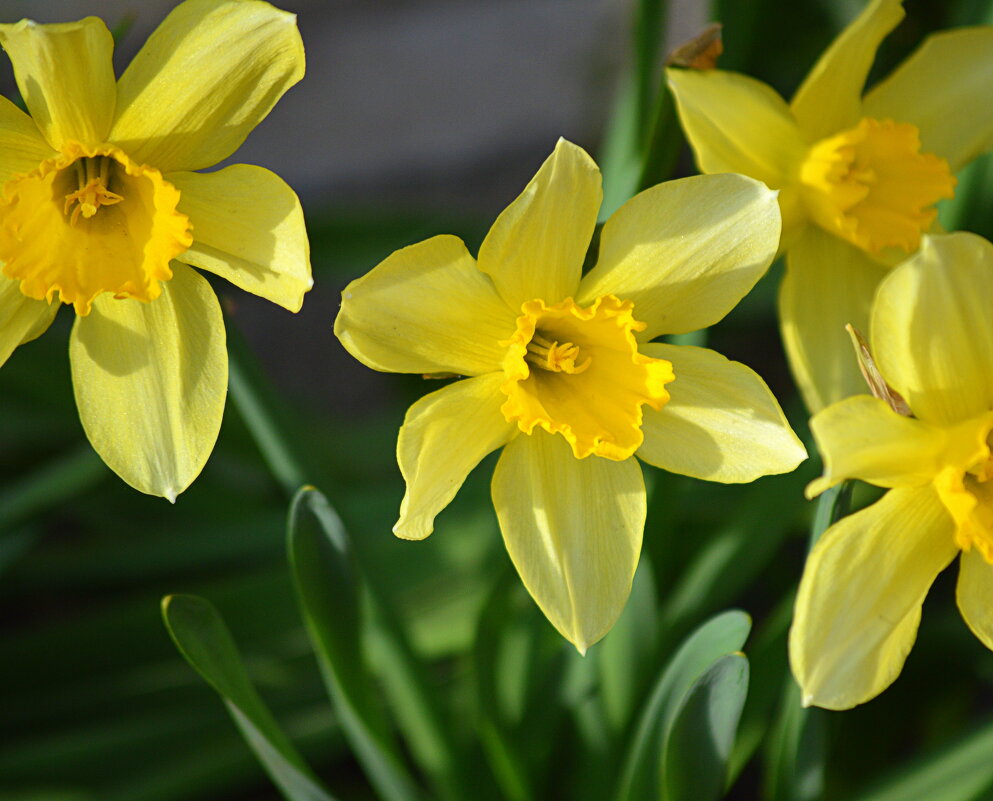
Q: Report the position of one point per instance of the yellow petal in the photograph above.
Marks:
(21, 318)
(426, 309)
(204, 79)
(22, 147)
(932, 328)
(150, 381)
(735, 123)
(66, 77)
(860, 597)
(721, 423)
(828, 284)
(974, 594)
(686, 251)
(537, 245)
(248, 228)
(443, 437)
(830, 97)
(943, 88)
(862, 437)
(573, 530)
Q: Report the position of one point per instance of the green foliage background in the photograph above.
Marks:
(96, 702)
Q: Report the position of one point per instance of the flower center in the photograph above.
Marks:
(93, 177)
(577, 372)
(872, 186)
(966, 485)
(90, 221)
(554, 357)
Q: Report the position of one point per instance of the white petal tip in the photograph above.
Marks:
(808, 700)
(169, 495)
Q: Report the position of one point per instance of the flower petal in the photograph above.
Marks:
(721, 422)
(862, 437)
(22, 147)
(21, 318)
(66, 77)
(204, 79)
(932, 328)
(974, 594)
(150, 381)
(828, 284)
(426, 309)
(537, 246)
(443, 437)
(829, 99)
(685, 252)
(860, 597)
(735, 123)
(573, 529)
(248, 228)
(943, 89)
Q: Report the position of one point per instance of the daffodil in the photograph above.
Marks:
(562, 371)
(100, 208)
(858, 175)
(865, 580)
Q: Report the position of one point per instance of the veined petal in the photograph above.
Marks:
(443, 437)
(426, 309)
(735, 123)
(974, 594)
(685, 252)
(573, 530)
(21, 318)
(828, 284)
(537, 245)
(204, 79)
(248, 228)
(721, 423)
(932, 328)
(943, 89)
(22, 147)
(862, 437)
(66, 77)
(830, 97)
(150, 381)
(860, 597)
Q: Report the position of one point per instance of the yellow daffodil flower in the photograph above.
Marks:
(858, 176)
(563, 372)
(865, 580)
(100, 209)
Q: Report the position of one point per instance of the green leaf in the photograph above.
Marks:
(722, 635)
(624, 655)
(696, 752)
(795, 752)
(962, 771)
(328, 591)
(201, 636)
(833, 504)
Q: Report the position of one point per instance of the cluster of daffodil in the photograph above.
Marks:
(103, 208)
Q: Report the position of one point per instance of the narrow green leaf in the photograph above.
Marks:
(795, 752)
(832, 505)
(66, 476)
(721, 635)
(696, 752)
(624, 655)
(249, 395)
(203, 639)
(962, 771)
(328, 593)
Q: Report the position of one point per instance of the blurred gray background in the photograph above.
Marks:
(439, 105)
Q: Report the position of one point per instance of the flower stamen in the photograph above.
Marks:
(554, 357)
(93, 180)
